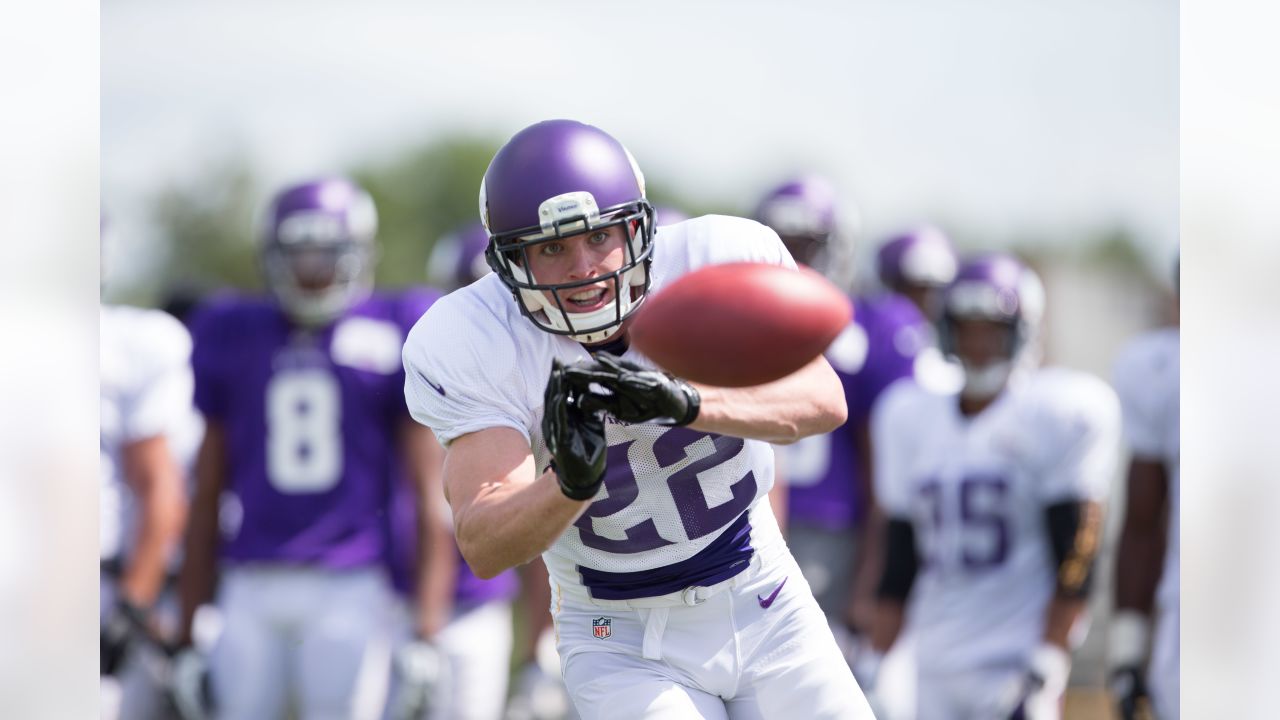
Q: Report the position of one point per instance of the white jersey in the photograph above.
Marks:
(975, 491)
(146, 391)
(1146, 378)
(673, 511)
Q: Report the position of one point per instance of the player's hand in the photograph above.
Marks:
(189, 685)
(538, 695)
(1129, 689)
(421, 671)
(1038, 693)
(574, 437)
(633, 394)
(116, 635)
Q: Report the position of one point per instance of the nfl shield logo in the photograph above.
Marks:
(600, 626)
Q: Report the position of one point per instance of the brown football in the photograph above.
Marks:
(740, 324)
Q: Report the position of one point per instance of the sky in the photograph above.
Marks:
(1049, 120)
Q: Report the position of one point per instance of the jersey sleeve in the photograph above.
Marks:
(1143, 421)
(164, 396)
(726, 239)
(462, 374)
(1079, 425)
(891, 434)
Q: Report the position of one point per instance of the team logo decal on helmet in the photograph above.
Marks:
(317, 251)
(552, 180)
(1000, 289)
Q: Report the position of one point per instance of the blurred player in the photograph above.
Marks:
(917, 264)
(829, 475)
(457, 259)
(146, 393)
(993, 496)
(1147, 578)
(306, 431)
(459, 668)
(674, 594)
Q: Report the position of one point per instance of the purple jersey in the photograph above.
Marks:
(311, 419)
(403, 551)
(825, 472)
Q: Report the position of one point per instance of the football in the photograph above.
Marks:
(740, 324)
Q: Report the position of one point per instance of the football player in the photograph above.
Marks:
(462, 671)
(146, 387)
(306, 433)
(917, 264)
(993, 495)
(673, 592)
(1146, 378)
(828, 475)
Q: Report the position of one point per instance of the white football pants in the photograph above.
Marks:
(314, 640)
(735, 654)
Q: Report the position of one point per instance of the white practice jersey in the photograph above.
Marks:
(975, 491)
(146, 391)
(673, 509)
(1146, 378)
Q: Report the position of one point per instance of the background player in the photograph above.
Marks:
(306, 431)
(993, 498)
(146, 397)
(917, 264)
(829, 475)
(1147, 577)
(666, 604)
(459, 668)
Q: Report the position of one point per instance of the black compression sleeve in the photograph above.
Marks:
(900, 561)
(1074, 528)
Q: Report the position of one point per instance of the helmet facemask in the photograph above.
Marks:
(317, 282)
(564, 216)
(1019, 313)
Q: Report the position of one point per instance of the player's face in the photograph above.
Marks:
(580, 257)
(980, 343)
(314, 269)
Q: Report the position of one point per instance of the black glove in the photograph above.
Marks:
(631, 393)
(574, 436)
(116, 634)
(1129, 688)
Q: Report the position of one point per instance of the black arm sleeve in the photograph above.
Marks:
(1074, 528)
(900, 561)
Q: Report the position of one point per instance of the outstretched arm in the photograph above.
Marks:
(807, 402)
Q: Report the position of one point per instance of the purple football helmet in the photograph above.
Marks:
(458, 258)
(318, 248)
(803, 213)
(919, 256)
(998, 288)
(556, 179)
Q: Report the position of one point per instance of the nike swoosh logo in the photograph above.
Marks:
(437, 388)
(766, 602)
